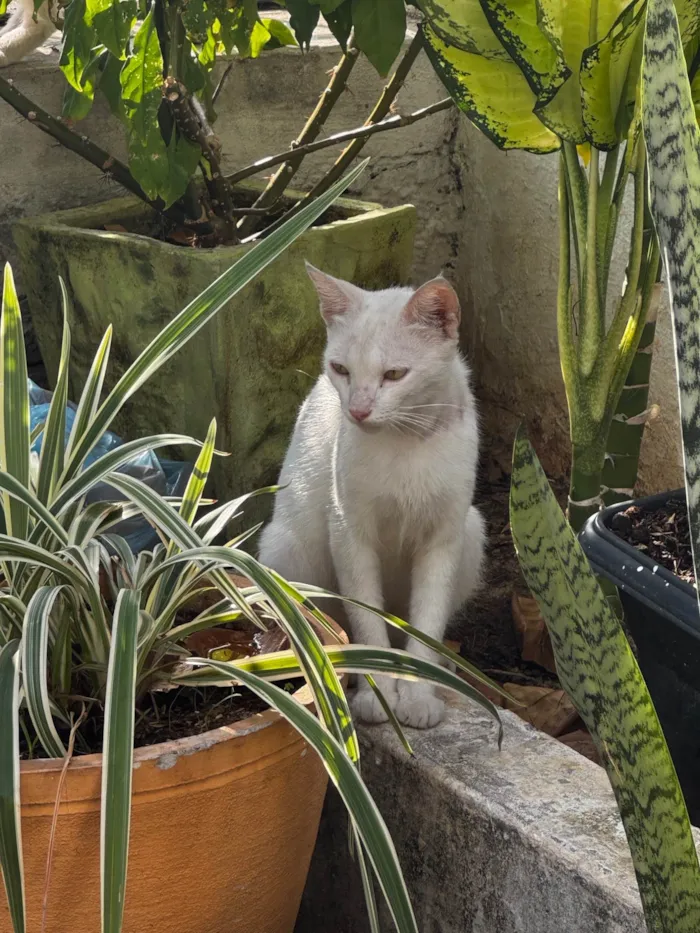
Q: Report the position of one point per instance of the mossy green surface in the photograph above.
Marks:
(250, 367)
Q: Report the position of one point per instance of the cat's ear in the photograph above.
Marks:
(336, 296)
(435, 305)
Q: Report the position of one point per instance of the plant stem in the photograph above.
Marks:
(326, 102)
(567, 350)
(350, 153)
(592, 314)
(390, 123)
(81, 145)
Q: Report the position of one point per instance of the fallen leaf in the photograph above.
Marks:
(531, 632)
(581, 742)
(546, 709)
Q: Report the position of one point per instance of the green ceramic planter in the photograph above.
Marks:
(250, 367)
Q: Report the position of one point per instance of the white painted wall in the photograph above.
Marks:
(487, 218)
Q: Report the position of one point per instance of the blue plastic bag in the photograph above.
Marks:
(166, 477)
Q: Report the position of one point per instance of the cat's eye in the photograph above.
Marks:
(340, 369)
(393, 375)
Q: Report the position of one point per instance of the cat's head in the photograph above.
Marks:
(389, 352)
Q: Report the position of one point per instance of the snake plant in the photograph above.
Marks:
(558, 77)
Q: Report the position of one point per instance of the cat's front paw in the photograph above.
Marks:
(418, 706)
(367, 707)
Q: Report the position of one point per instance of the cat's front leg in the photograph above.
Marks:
(358, 570)
(433, 581)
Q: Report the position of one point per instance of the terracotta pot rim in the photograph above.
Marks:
(190, 744)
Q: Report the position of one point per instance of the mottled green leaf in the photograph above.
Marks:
(198, 17)
(493, 93)
(463, 23)
(516, 25)
(609, 77)
(380, 29)
(598, 670)
(303, 18)
(673, 152)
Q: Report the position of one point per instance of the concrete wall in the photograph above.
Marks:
(488, 219)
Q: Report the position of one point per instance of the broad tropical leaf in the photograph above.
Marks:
(379, 30)
(599, 672)
(10, 825)
(492, 92)
(672, 139)
(118, 752)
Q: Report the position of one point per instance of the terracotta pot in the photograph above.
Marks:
(223, 827)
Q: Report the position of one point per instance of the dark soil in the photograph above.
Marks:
(663, 535)
(485, 627)
(197, 236)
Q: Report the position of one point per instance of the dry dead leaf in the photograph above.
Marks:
(548, 710)
(531, 632)
(581, 742)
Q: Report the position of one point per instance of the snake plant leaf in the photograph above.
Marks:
(517, 27)
(598, 670)
(609, 78)
(492, 92)
(672, 138)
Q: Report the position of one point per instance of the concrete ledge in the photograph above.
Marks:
(525, 840)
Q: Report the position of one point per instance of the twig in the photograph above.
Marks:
(390, 123)
(192, 123)
(350, 153)
(326, 102)
(49, 857)
(81, 145)
(222, 81)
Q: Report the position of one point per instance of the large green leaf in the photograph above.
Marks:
(118, 752)
(203, 308)
(14, 406)
(112, 21)
(599, 672)
(516, 24)
(379, 30)
(492, 92)
(609, 78)
(78, 44)
(672, 139)
(10, 824)
(343, 773)
(303, 18)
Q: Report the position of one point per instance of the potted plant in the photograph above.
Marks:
(101, 650)
(160, 68)
(649, 549)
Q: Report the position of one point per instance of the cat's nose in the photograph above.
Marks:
(359, 414)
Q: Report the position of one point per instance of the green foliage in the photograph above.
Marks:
(81, 616)
(599, 672)
(379, 30)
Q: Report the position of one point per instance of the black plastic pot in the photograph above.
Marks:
(661, 612)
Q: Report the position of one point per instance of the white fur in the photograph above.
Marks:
(382, 509)
(22, 33)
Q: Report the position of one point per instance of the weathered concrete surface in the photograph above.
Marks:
(525, 840)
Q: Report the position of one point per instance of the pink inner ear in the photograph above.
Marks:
(334, 296)
(435, 305)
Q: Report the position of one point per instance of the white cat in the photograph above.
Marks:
(381, 472)
(24, 32)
